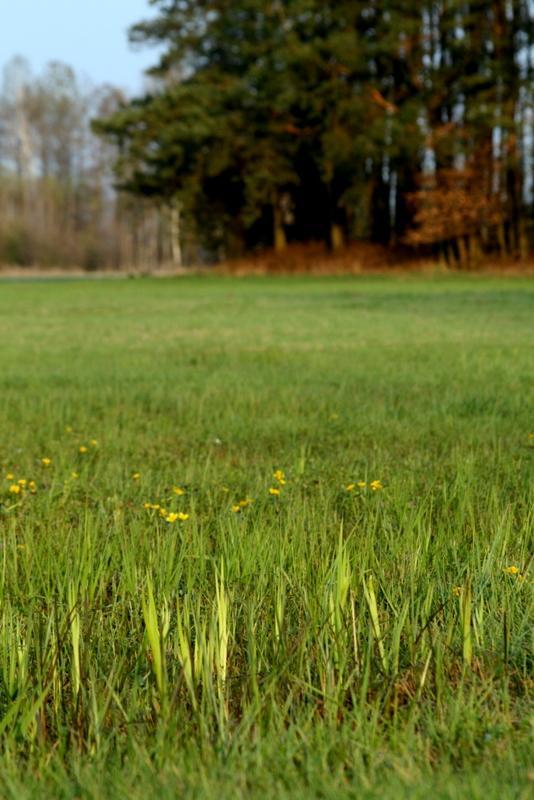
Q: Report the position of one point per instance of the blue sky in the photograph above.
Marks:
(90, 35)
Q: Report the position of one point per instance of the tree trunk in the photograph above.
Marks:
(280, 239)
(175, 234)
(337, 238)
(475, 250)
(463, 253)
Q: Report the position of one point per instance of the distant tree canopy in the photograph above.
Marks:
(396, 121)
(58, 205)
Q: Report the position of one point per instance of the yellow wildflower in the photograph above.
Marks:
(274, 491)
(241, 504)
(74, 475)
(350, 487)
(9, 476)
(22, 482)
(457, 591)
(163, 512)
(513, 570)
(178, 490)
(136, 476)
(175, 516)
(93, 442)
(376, 485)
(15, 489)
(32, 487)
(83, 449)
(46, 462)
(362, 484)
(279, 476)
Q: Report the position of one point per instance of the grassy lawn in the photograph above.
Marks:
(361, 629)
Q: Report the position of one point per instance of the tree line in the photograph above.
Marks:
(404, 123)
(58, 203)
(408, 124)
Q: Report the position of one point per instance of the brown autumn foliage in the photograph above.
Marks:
(463, 213)
(357, 258)
(313, 258)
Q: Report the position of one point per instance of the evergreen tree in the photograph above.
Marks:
(321, 119)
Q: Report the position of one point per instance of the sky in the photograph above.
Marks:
(89, 35)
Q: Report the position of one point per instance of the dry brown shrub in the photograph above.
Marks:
(313, 259)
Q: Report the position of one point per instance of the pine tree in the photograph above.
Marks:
(334, 120)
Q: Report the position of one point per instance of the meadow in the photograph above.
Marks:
(266, 538)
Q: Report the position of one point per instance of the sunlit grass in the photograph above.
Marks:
(266, 538)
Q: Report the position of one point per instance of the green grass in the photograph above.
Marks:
(324, 643)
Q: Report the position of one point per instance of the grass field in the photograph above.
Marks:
(329, 639)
